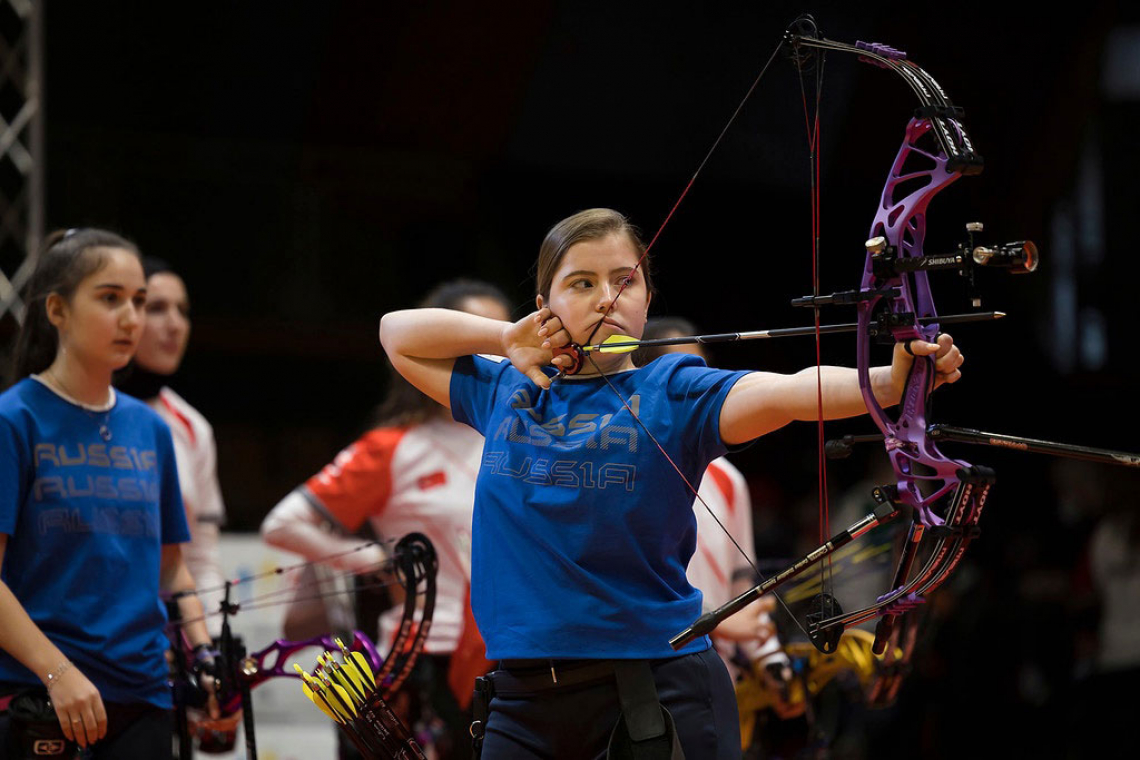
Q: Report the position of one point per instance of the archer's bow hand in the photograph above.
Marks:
(204, 668)
(947, 361)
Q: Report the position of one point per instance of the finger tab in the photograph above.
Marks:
(574, 352)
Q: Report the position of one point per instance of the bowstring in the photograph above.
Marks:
(255, 602)
(629, 279)
(695, 493)
(244, 607)
(812, 125)
(282, 569)
(716, 143)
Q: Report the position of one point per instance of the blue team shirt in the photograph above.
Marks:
(582, 530)
(86, 520)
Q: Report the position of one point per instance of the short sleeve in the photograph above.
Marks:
(171, 509)
(474, 383)
(358, 483)
(14, 465)
(700, 392)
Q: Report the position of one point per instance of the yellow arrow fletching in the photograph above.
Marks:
(365, 669)
(305, 676)
(341, 701)
(341, 678)
(319, 702)
(344, 696)
(314, 690)
(618, 349)
(359, 660)
(354, 675)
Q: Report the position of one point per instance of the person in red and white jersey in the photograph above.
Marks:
(415, 472)
(161, 349)
(717, 568)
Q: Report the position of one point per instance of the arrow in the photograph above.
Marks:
(359, 660)
(621, 344)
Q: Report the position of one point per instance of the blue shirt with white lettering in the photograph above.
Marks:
(86, 519)
(582, 529)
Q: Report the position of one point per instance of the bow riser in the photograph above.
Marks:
(256, 670)
(901, 221)
(925, 479)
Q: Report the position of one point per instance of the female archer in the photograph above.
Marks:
(583, 527)
(91, 516)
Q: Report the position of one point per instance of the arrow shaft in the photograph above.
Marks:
(782, 332)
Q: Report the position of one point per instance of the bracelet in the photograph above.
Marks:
(52, 678)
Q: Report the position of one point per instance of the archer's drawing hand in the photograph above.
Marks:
(527, 343)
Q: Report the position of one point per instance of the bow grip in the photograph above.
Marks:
(577, 357)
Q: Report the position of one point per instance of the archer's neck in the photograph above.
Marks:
(84, 383)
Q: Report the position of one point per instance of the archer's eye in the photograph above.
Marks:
(111, 298)
(582, 284)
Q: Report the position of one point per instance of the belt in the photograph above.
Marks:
(523, 677)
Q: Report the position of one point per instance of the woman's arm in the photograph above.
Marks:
(423, 345)
(295, 526)
(77, 703)
(764, 401)
(174, 577)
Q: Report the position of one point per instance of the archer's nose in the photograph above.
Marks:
(606, 294)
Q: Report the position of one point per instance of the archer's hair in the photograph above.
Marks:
(591, 224)
(404, 404)
(661, 327)
(67, 257)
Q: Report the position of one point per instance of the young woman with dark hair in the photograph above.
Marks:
(162, 346)
(90, 512)
(582, 530)
(414, 471)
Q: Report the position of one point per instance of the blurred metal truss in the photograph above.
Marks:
(21, 147)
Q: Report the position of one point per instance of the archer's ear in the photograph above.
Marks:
(648, 299)
(56, 308)
(538, 303)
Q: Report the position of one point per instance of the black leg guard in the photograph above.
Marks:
(645, 730)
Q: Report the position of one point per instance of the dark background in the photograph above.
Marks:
(308, 167)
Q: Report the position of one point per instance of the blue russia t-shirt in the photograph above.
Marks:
(86, 520)
(582, 530)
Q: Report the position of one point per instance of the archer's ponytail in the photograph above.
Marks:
(67, 257)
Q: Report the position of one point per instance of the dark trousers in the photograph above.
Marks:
(575, 723)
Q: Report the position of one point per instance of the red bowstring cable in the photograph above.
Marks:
(813, 131)
(681, 197)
